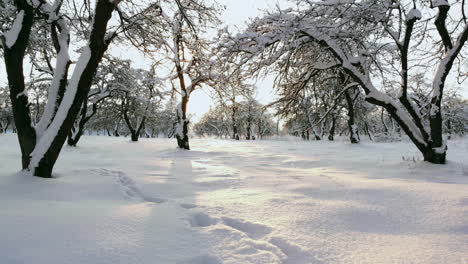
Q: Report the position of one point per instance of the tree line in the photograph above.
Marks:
(374, 68)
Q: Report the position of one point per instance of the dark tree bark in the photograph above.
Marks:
(429, 141)
(98, 44)
(316, 135)
(248, 136)
(235, 132)
(331, 134)
(353, 132)
(78, 129)
(134, 132)
(14, 57)
(384, 124)
(368, 131)
(449, 129)
(117, 127)
(182, 126)
(4, 127)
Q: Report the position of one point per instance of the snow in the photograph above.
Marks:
(23, 93)
(402, 114)
(442, 149)
(180, 123)
(434, 110)
(12, 35)
(61, 68)
(414, 14)
(445, 66)
(47, 137)
(437, 3)
(273, 201)
(336, 2)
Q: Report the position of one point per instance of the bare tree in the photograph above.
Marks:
(371, 42)
(189, 53)
(64, 23)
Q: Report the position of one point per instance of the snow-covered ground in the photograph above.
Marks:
(268, 202)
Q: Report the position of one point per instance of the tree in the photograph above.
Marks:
(455, 114)
(215, 122)
(139, 98)
(103, 85)
(163, 121)
(229, 91)
(370, 41)
(251, 119)
(6, 113)
(61, 25)
(189, 53)
(41, 145)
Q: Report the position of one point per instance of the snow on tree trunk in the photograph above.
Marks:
(182, 124)
(40, 150)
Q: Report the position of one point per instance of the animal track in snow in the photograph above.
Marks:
(188, 206)
(204, 259)
(258, 240)
(252, 230)
(129, 188)
(294, 253)
(200, 219)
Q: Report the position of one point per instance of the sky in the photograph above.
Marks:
(237, 13)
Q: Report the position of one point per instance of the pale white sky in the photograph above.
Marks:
(236, 14)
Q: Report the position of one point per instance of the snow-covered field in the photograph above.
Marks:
(235, 202)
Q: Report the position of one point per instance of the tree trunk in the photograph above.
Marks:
(116, 129)
(369, 133)
(353, 131)
(235, 132)
(74, 137)
(83, 118)
(382, 118)
(39, 153)
(277, 128)
(449, 129)
(4, 128)
(248, 131)
(134, 133)
(435, 155)
(316, 135)
(13, 57)
(78, 129)
(98, 44)
(182, 124)
(331, 135)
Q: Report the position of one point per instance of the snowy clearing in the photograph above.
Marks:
(290, 202)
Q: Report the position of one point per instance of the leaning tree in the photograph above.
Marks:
(103, 86)
(65, 24)
(375, 43)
